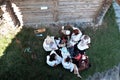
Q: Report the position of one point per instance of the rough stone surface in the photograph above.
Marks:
(111, 74)
(117, 13)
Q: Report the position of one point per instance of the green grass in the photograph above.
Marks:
(16, 65)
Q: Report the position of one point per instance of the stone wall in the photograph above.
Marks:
(111, 74)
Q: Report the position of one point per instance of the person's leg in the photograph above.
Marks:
(71, 51)
(75, 62)
(76, 50)
(76, 71)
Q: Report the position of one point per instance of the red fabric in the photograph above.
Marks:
(78, 57)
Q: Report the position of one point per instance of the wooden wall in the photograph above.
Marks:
(58, 10)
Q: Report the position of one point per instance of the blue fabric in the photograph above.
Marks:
(71, 51)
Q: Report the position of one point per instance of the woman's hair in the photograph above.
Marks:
(76, 31)
(52, 57)
(86, 37)
(49, 40)
(67, 59)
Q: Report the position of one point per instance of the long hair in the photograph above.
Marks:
(52, 57)
(86, 37)
(76, 31)
(68, 59)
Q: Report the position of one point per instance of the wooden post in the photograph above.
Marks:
(55, 10)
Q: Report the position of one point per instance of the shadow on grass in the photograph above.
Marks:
(25, 58)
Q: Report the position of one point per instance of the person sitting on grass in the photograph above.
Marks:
(49, 44)
(53, 59)
(66, 31)
(67, 64)
(61, 42)
(84, 44)
(64, 52)
(82, 61)
(75, 37)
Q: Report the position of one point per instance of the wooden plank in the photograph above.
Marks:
(79, 6)
(37, 17)
(71, 3)
(38, 20)
(35, 6)
(31, 1)
(78, 3)
(32, 10)
(34, 3)
(88, 6)
(75, 11)
(38, 14)
(74, 16)
(76, 20)
(79, 13)
(80, 0)
(66, 0)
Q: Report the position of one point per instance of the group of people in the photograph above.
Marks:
(69, 49)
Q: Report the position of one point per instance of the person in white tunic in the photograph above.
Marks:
(49, 44)
(75, 37)
(83, 44)
(53, 59)
(67, 64)
(64, 52)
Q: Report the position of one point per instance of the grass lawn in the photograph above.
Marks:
(15, 64)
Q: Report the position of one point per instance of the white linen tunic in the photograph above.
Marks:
(68, 65)
(55, 62)
(49, 47)
(64, 52)
(75, 38)
(83, 44)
